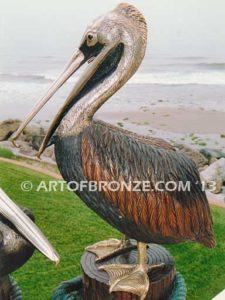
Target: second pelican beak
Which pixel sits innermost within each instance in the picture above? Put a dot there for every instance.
(26, 227)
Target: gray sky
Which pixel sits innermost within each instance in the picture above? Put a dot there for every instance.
(54, 27)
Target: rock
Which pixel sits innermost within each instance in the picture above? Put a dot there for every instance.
(49, 152)
(214, 176)
(212, 154)
(30, 140)
(197, 157)
(26, 149)
(216, 199)
(34, 136)
(32, 131)
(8, 127)
(36, 141)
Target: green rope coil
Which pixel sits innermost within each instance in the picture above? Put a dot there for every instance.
(179, 290)
(70, 290)
(15, 292)
(73, 289)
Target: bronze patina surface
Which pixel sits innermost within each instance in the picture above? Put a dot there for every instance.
(90, 150)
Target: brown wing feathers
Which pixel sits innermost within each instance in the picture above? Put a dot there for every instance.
(108, 155)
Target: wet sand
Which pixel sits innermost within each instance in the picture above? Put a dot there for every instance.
(198, 128)
(177, 120)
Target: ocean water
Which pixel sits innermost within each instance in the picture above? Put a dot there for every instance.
(194, 82)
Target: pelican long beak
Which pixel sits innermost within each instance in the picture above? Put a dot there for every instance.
(78, 60)
(26, 227)
(75, 62)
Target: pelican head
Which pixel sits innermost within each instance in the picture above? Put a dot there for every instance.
(15, 250)
(19, 236)
(113, 46)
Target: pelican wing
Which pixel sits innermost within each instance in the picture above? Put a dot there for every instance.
(113, 155)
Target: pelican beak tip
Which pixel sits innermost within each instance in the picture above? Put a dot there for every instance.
(14, 143)
(38, 156)
(56, 259)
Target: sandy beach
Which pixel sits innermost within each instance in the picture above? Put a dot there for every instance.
(196, 127)
(182, 104)
(177, 120)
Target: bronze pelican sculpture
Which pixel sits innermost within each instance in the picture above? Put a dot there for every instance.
(15, 251)
(18, 237)
(90, 150)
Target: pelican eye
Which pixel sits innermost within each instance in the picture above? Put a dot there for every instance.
(90, 36)
(92, 39)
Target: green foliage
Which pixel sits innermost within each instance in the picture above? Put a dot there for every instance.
(6, 153)
(201, 267)
(71, 226)
(120, 124)
(197, 140)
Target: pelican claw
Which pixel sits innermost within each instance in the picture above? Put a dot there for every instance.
(110, 248)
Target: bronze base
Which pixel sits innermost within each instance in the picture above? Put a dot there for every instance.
(161, 279)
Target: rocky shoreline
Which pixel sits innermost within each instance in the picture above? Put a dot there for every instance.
(29, 141)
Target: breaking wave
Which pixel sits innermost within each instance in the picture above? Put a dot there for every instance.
(166, 78)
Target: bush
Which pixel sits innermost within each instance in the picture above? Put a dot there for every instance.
(6, 153)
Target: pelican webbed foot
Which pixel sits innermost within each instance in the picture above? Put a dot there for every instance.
(131, 278)
(109, 248)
